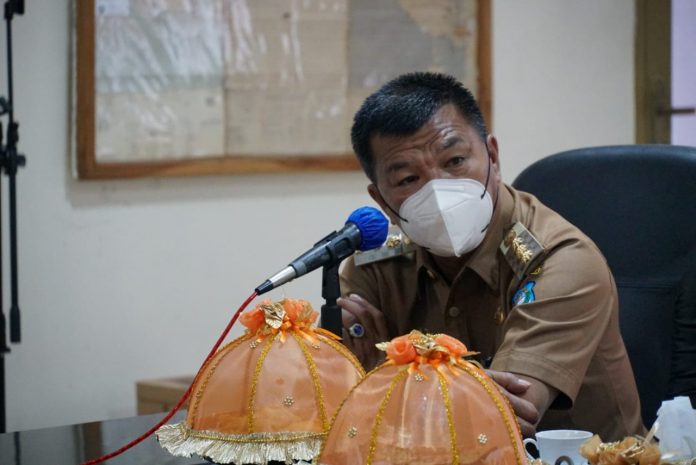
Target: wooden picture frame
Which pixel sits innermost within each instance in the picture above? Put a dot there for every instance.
(89, 166)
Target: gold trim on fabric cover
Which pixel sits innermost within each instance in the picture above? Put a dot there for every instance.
(444, 391)
(489, 386)
(260, 448)
(380, 415)
(198, 391)
(316, 382)
(255, 381)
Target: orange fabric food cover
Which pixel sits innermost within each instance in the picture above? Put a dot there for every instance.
(269, 395)
(424, 405)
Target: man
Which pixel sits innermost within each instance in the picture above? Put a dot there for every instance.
(491, 266)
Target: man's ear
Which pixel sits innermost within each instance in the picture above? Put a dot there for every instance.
(493, 154)
(377, 197)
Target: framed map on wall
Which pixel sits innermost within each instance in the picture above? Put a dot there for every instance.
(187, 87)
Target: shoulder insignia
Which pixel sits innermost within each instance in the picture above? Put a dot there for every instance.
(396, 245)
(522, 250)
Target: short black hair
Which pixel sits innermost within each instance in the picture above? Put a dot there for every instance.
(403, 105)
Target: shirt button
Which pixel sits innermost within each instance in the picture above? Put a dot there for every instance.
(499, 316)
(453, 311)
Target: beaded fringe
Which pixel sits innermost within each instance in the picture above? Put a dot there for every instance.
(257, 448)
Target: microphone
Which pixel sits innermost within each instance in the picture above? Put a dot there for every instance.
(365, 229)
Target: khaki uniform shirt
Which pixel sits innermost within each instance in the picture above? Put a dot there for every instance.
(562, 329)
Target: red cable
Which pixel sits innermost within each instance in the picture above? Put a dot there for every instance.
(186, 394)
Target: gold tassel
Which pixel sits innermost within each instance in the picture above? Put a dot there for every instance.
(257, 448)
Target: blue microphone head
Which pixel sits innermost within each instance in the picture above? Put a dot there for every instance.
(373, 227)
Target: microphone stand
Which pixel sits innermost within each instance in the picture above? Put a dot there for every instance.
(10, 160)
(330, 291)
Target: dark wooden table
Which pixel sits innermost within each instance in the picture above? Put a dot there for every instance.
(74, 444)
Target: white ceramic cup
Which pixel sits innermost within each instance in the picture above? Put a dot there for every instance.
(554, 444)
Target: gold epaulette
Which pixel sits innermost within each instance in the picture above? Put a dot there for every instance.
(396, 245)
(522, 250)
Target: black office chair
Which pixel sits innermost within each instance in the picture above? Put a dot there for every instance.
(638, 204)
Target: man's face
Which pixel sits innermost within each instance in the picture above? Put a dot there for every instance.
(446, 147)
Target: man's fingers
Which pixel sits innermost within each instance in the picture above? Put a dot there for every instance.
(527, 414)
(377, 317)
(348, 318)
(509, 382)
(354, 347)
(528, 429)
(355, 309)
(358, 310)
(374, 359)
(524, 409)
(347, 340)
(514, 388)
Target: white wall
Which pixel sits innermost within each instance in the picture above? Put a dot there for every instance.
(126, 280)
(563, 77)
(683, 70)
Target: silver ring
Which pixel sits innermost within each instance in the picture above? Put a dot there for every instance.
(356, 330)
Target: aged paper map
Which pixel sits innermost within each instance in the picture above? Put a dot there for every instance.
(187, 79)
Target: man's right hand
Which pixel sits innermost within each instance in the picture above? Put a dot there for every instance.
(518, 391)
(358, 310)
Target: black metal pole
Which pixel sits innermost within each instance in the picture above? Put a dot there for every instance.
(10, 161)
(330, 291)
(15, 321)
(4, 348)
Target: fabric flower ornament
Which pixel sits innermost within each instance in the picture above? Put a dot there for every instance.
(415, 349)
(271, 318)
(293, 308)
(455, 347)
(253, 320)
(400, 350)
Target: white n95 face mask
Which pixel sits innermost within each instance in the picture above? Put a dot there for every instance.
(449, 217)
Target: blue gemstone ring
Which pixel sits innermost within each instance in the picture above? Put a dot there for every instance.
(356, 330)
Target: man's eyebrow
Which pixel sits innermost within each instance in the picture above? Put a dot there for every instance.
(396, 166)
(450, 142)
